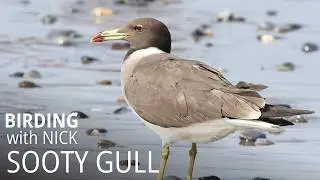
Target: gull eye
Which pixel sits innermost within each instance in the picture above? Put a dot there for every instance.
(138, 27)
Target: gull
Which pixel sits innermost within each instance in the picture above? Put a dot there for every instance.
(182, 99)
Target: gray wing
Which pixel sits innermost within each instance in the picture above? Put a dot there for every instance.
(171, 92)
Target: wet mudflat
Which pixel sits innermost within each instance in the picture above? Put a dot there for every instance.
(68, 80)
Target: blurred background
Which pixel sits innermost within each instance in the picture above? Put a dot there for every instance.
(48, 65)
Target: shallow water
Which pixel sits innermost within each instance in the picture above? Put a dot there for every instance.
(295, 154)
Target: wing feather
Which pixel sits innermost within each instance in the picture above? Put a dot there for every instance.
(172, 92)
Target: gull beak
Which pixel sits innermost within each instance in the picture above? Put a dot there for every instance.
(114, 34)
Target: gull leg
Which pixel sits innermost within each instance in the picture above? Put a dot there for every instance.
(192, 155)
(164, 158)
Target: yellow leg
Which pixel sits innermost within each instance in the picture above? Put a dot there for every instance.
(192, 155)
(164, 158)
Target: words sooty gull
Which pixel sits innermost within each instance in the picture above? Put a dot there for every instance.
(182, 99)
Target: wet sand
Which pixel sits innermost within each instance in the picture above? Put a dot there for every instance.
(73, 86)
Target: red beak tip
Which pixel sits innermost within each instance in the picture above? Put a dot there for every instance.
(93, 40)
(96, 38)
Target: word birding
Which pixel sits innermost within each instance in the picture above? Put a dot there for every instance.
(39, 120)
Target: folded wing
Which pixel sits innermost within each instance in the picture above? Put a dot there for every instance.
(172, 92)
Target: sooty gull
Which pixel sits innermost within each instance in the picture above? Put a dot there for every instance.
(185, 100)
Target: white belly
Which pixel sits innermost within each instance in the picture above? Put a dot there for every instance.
(197, 133)
(209, 131)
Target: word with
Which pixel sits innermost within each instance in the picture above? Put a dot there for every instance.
(50, 137)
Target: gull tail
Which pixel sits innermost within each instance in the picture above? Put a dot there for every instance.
(255, 124)
(271, 118)
(276, 121)
(273, 111)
